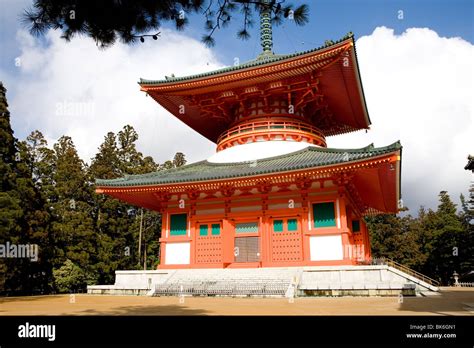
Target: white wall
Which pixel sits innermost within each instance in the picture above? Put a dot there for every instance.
(325, 248)
(178, 253)
(257, 150)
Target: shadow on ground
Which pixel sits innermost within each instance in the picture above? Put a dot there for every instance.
(7, 299)
(450, 301)
(143, 310)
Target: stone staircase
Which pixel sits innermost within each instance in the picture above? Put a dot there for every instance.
(228, 282)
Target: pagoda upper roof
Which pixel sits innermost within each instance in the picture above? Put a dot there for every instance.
(252, 63)
(267, 59)
(334, 68)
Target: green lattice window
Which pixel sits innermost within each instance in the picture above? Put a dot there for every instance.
(324, 215)
(178, 223)
(246, 227)
(215, 229)
(203, 229)
(292, 225)
(277, 225)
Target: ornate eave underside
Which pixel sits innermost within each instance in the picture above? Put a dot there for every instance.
(371, 175)
(323, 84)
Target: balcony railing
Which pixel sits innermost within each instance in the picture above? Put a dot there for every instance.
(271, 128)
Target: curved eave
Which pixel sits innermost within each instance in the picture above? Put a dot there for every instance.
(248, 75)
(178, 81)
(361, 89)
(152, 180)
(331, 168)
(381, 197)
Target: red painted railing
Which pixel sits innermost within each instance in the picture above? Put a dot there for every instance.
(271, 128)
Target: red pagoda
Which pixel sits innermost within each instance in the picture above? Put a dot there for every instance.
(273, 194)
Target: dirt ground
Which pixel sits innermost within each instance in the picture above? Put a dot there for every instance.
(451, 301)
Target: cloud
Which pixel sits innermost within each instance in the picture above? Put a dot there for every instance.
(418, 88)
(77, 90)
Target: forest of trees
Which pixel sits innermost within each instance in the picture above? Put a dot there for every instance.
(47, 198)
(436, 242)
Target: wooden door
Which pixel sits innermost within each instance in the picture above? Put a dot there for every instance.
(247, 249)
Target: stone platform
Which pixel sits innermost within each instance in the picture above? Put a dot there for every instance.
(369, 280)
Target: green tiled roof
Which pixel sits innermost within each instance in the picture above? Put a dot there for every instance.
(310, 157)
(256, 62)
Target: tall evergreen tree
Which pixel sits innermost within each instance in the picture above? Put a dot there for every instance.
(10, 209)
(23, 220)
(167, 165)
(72, 205)
(392, 237)
(117, 223)
(131, 160)
(11, 212)
(179, 159)
(112, 218)
(446, 230)
(466, 252)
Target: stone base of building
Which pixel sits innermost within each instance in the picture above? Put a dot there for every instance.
(357, 292)
(115, 290)
(367, 280)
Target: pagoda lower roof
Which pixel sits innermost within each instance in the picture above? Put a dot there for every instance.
(308, 158)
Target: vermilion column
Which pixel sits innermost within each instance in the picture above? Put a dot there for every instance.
(345, 232)
(164, 227)
(304, 226)
(192, 230)
(227, 237)
(265, 251)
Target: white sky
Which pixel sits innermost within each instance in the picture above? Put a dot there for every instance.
(418, 86)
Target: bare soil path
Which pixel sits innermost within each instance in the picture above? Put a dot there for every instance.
(451, 301)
